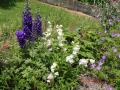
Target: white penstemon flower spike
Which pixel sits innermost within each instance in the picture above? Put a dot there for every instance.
(76, 50)
(53, 67)
(59, 30)
(47, 38)
(71, 57)
(48, 42)
(49, 30)
(53, 74)
(60, 35)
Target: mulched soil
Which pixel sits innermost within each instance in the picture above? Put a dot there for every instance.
(5, 45)
(92, 83)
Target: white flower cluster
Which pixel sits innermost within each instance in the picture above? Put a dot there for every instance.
(73, 55)
(60, 35)
(86, 61)
(49, 30)
(52, 68)
(48, 35)
(76, 50)
(53, 73)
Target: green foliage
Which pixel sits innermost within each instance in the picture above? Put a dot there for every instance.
(92, 1)
(31, 72)
(109, 15)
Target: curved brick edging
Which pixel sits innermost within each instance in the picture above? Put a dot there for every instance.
(74, 5)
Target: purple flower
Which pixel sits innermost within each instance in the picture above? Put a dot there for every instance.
(93, 65)
(21, 38)
(27, 18)
(115, 34)
(100, 63)
(103, 57)
(113, 17)
(118, 35)
(37, 26)
(118, 55)
(98, 67)
(118, 19)
(110, 88)
(27, 32)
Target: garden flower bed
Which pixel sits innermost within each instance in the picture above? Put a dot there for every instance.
(43, 53)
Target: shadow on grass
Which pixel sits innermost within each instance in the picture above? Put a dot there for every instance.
(7, 4)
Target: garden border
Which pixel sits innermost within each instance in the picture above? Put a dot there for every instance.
(91, 10)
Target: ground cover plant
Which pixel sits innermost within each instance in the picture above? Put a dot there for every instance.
(47, 55)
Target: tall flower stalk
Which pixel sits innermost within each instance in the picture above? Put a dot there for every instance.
(27, 16)
(37, 26)
(47, 38)
(27, 21)
(60, 35)
(53, 73)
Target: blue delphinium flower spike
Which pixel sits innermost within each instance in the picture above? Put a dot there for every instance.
(27, 22)
(27, 17)
(37, 26)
